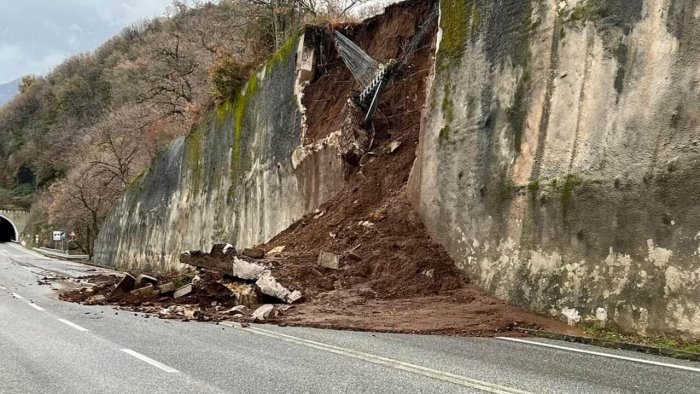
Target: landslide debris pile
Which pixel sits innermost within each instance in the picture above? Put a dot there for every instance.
(220, 285)
(363, 260)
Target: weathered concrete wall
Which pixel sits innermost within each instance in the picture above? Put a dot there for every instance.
(560, 161)
(241, 177)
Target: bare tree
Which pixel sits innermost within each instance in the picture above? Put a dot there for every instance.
(81, 202)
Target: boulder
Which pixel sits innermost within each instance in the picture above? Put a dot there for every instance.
(127, 283)
(247, 271)
(143, 280)
(206, 261)
(268, 285)
(167, 288)
(294, 297)
(393, 146)
(254, 253)
(222, 250)
(329, 260)
(277, 250)
(183, 291)
(96, 299)
(263, 312)
(242, 309)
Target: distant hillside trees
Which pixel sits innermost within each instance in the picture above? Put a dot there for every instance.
(73, 140)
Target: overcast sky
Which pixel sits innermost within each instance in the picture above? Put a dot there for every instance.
(36, 35)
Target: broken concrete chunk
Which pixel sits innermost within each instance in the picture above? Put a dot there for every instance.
(276, 251)
(167, 288)
(229, 249)
(143, 291)
(367, 224)
(221, 250)
(393, 146)
(127, 283)
(173, 311)
(143, 280)
(96, 299)
(242, 309)
(329, 260)
(183, 291)
(204, 260)
(268, 285)
(254, 253)
(263, 312)
(247, 271)
(294, 297)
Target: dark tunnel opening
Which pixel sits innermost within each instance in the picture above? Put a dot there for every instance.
(7, 231)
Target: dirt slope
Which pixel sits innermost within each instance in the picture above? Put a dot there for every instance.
(404, 281)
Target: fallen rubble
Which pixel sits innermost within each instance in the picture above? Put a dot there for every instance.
(240, 268)
(220, 285)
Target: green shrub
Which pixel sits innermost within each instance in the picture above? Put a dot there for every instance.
(227, 77)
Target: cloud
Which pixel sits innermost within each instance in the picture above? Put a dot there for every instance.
(36, 35)
(15, 61)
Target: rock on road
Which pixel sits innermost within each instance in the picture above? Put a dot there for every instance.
(47, 345)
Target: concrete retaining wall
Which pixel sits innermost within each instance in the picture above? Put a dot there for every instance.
(241, 177)
(560, 161)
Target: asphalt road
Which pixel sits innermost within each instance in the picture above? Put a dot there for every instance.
(50, 346)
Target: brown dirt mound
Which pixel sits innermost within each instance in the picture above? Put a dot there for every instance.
(405, 281)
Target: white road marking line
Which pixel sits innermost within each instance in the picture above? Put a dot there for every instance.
(31, 303)
(636, 360)
(151, 361)
(391, 363)
(27, 251)
(69, 323)
(3, 288)
(2, 252)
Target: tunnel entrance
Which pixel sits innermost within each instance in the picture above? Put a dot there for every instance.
(7, 231)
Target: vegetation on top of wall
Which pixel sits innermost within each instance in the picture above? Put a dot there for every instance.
(282, 54)
(227, 77)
